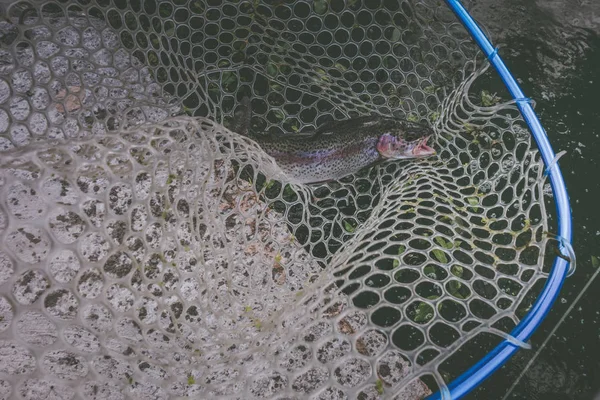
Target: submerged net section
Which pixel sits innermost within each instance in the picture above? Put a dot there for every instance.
(147, 255)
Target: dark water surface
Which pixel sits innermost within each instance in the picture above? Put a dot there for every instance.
(553, 47)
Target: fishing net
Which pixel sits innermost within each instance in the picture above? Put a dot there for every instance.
(147, 251)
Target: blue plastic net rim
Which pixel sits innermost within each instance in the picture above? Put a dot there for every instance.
(502, 352)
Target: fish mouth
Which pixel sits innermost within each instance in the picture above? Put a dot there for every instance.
(422, 150)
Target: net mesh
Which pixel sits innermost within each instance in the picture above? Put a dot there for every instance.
(149, 252)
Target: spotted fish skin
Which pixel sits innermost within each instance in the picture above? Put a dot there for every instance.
(336, 149)
(330, 153)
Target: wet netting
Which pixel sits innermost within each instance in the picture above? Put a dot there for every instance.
(149, 252)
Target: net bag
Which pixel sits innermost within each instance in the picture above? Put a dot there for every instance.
(147, 251)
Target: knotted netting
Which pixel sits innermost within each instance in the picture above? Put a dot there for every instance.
(147, 251)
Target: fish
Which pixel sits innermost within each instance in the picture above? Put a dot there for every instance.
(340, 148)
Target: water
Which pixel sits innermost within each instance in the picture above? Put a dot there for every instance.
(553, 47)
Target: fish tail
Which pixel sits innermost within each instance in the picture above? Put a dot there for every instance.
(242, 117)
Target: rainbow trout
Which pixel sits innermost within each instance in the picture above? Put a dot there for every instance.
(340, 148)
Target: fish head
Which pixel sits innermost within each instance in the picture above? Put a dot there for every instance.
(408, 142)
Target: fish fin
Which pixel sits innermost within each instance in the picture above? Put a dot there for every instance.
(331, 126)
(295, 135)
(242, 117)
(303, 134)
(325, 129)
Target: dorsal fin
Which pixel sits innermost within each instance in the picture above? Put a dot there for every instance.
(325, 129)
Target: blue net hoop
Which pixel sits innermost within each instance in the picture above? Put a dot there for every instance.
(474, 376)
